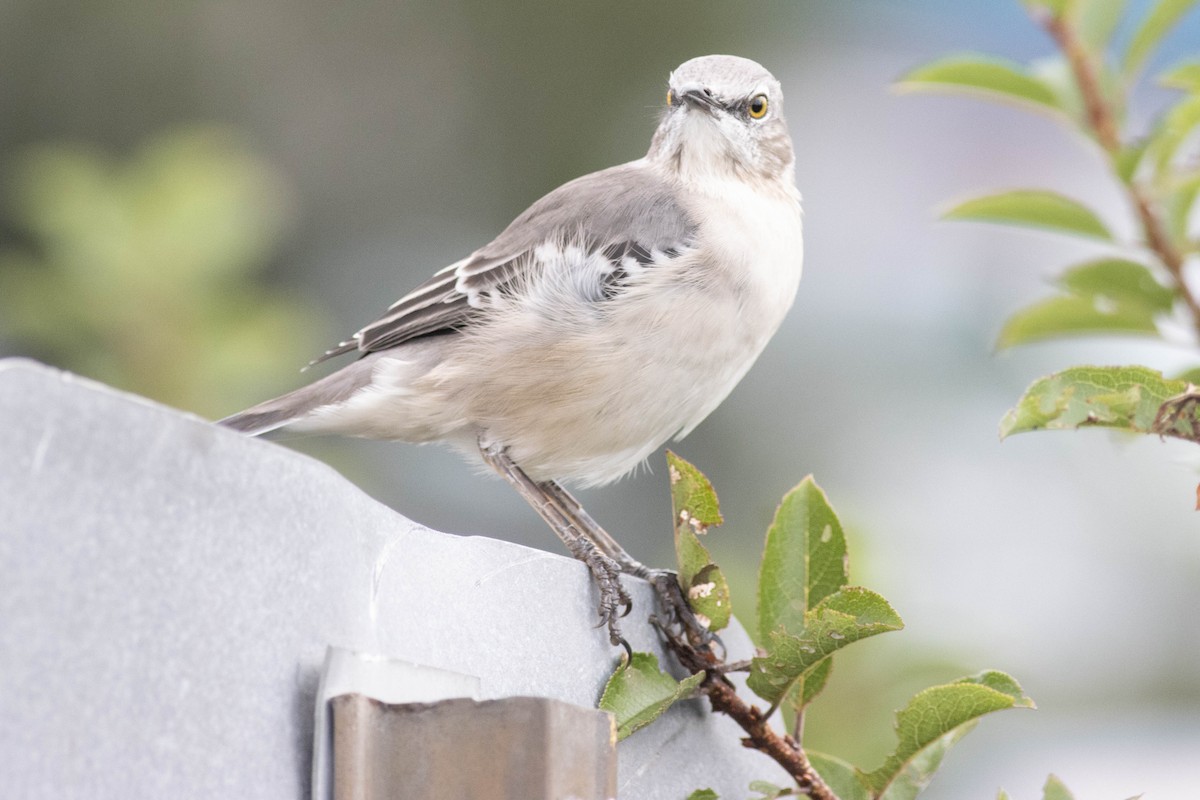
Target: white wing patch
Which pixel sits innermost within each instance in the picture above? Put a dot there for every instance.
(573, 271)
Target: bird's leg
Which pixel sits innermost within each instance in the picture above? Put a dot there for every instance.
(665, 582)
(575, 512)
(614, 600)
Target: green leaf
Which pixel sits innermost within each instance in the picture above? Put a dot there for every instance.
(1055, 789)
(97, 232)
(1073, 316)
(842, 618)
(709, 598)
(1179, 204)
(1185, 76)
(1002, 682)
(1096, 20)
(805, 690)
(704, 794)
(808, 687)
(1156, 25)
(769, 791)
(932, 722)
(639, 693)
(1173, 130)
(1129, 158)
(1127, 398)
(839, 775)
(1034, 208)
(1189, 375)
(1108, 295)
(692, 556)
(693, 493)
(695, 506)
(1054, 7)
(1119, 280)
(804, 559)
(982, 75)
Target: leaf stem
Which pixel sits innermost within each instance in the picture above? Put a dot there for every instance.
(1102, 122)
(784, 750)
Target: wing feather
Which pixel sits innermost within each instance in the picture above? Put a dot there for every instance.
(629, 212)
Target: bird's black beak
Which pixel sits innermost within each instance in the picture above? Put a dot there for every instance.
(701, 99)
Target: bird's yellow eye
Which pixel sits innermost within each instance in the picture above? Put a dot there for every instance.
(670, 97)
(757, 107)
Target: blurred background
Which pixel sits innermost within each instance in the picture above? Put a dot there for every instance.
(200, 196)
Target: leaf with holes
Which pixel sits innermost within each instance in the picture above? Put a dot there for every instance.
(1126, 398)
(695, 507)
(842, 618)
(708, 597)
(692, 492)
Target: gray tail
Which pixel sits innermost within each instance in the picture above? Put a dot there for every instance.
(260, 419)
(296, 405)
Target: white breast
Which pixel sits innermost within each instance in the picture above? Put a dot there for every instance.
(754, 237)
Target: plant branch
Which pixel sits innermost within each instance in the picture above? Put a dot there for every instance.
(784, 750)
(726, 667)
(1100, 118)
(1102, 122)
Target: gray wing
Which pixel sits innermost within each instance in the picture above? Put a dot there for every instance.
(626, 212)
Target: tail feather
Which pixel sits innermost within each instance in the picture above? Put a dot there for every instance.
(253, 422)
(296, 405)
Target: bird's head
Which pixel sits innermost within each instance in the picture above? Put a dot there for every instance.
(724, 115)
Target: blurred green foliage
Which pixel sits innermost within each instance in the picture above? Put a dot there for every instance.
(145, 273)
(1141, 288)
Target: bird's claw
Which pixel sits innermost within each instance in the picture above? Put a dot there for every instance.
(678, 615)
(615, 602)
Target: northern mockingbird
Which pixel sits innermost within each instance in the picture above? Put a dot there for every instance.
(615, 313)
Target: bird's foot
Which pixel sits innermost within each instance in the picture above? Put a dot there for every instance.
(614, 600)
(678, 617)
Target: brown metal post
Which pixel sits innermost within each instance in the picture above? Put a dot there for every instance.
(516, 748)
